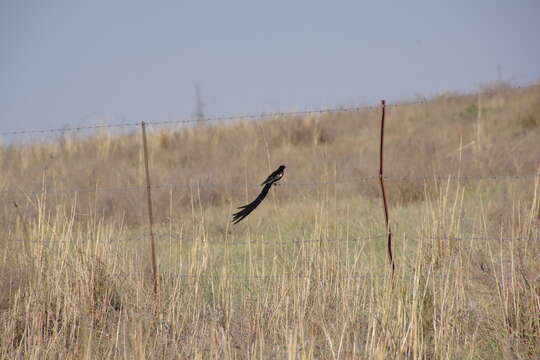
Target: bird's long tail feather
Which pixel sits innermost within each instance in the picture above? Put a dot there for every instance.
(247, 209)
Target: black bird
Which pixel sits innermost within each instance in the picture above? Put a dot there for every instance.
(275, 176)
(247, 209)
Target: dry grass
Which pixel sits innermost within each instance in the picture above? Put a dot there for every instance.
(305, 276)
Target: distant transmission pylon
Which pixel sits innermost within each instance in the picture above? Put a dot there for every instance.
(199, 104)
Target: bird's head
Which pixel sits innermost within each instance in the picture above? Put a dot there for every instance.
(282, 167)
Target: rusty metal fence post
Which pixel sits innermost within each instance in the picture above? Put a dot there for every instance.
(381, 179)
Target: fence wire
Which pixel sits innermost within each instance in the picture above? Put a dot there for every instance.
(225, 118)
(195, 184)
(226, 243)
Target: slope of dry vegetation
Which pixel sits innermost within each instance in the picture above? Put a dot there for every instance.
(305, 276)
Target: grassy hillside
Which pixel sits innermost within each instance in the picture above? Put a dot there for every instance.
(304, 276)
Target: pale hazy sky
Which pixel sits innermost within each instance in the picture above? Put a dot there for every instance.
(81, 62)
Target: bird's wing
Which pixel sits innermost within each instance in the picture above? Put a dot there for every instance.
(275, 176)
(268, 179)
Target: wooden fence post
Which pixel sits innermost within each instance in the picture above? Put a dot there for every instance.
(150, 213)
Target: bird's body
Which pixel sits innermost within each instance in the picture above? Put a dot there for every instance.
(275, 176)
(247, 209)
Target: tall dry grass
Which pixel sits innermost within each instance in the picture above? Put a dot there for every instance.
(306, 275)
(490, 133)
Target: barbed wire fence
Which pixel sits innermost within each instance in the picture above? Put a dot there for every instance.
(254, 117)
(259, 116)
